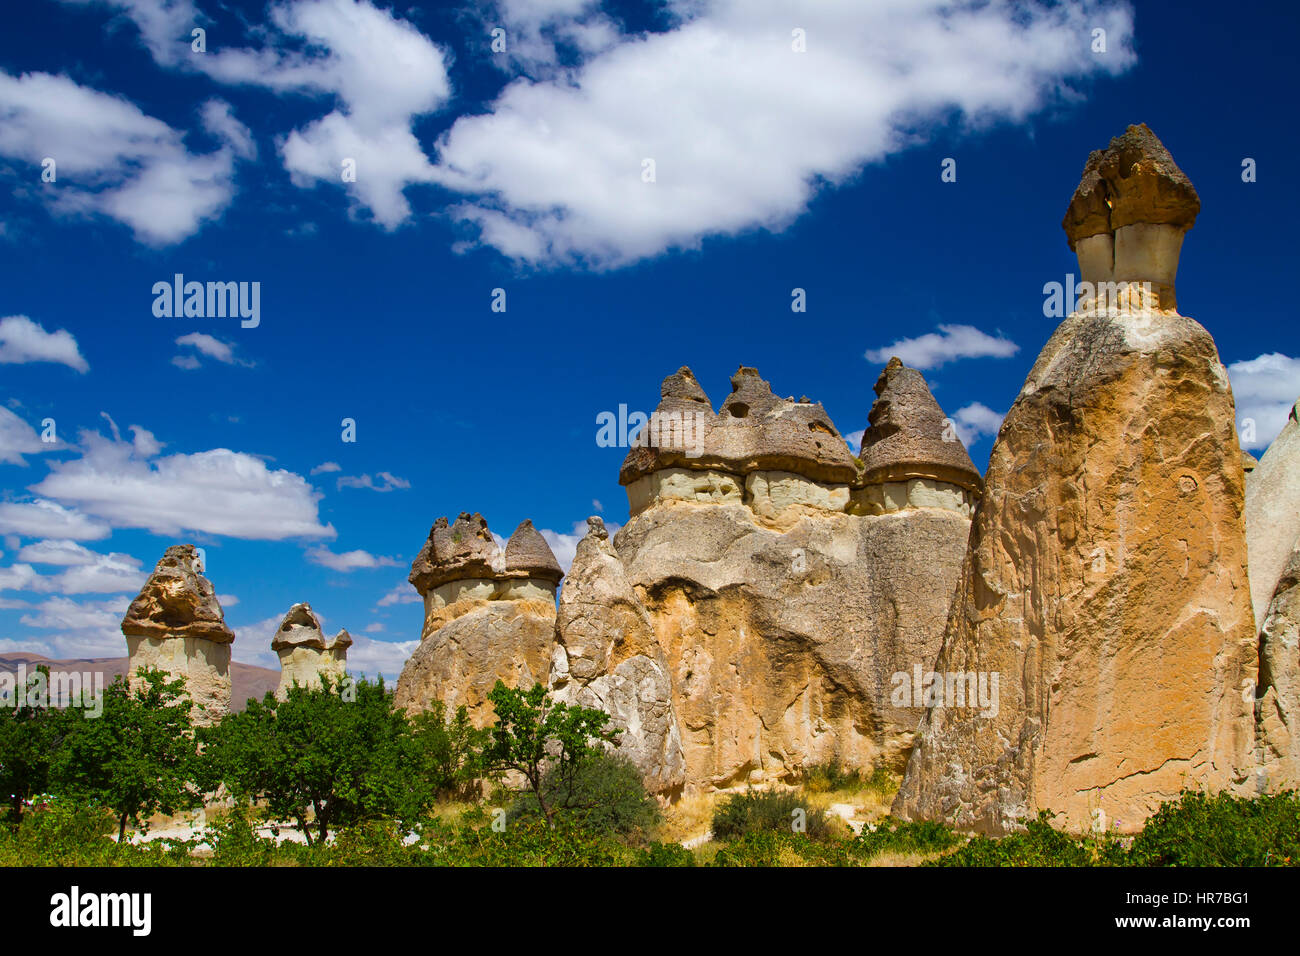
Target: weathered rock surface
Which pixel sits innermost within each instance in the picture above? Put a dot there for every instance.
(176, 624)
(306, 654)
(1105, 579)
(1278, 727)
(607, 656)
(488, 616)
(778, 606)
(1273, 513)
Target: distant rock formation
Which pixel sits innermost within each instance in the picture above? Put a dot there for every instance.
(1105, 580)
(176, 625)
(306, 654)
(488, 615)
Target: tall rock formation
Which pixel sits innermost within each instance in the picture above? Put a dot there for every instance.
(1105, 581)
(1273, 537)
(765, 593)
(306, 654)
(1273, 513)
(176, 624)
(488, 615)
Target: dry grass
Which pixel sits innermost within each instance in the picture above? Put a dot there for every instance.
(688, 818)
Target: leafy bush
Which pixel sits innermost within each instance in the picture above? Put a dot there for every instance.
(774, 848)
(830, 776)
(603, 794)
(665, 854)
(66, 833)
(445, 750)
(901, 836)
(773, 811)
(1222, 830)
(1040, 844)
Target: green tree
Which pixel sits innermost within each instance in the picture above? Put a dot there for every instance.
(545, 741)
(138, 757)
(29, 737)
(321, 758)
(446, 750)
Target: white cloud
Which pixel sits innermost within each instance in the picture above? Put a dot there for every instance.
(227, 600)
(371, 657)
(402, 594)
(374, 627)
(743, 130)
(379, 70)
(48, 519)
(326, 466)
(114, 160)
(854, 440)
(17, 438)
(974, 421)
(204, 344)
(220, 492)
(349, 560)
(389, 482)
(85, 629)
(1265, 389)
(22, 340)
(950, 343)
(58, 551)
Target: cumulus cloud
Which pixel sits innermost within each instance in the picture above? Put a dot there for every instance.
(17, 439)
(82, 629)
(387, 482)
(114, 160)
(974, 421)
(208, 345)
(220, 492)
(87, 572)
(949, 344)
(402, 594)
(372, 658)
(349, 560)
(22, 340)
(1265, 389)
(42, 518)
(743, 130)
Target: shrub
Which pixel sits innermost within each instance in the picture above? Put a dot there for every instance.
(774, 848)
(1040, 844)
(1222, 830)
(445, 750)
(665, 854)
(901, 836)
(603, 794)
(775, 811)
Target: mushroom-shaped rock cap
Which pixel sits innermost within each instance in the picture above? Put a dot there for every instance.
(1133, 180)
(177, 601)
(909, 436)
(463, 550)
(301, 628)
(528, 555)
(753, 431)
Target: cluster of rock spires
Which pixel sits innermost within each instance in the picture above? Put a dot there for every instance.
(775, 601)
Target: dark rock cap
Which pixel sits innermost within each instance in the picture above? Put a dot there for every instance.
(1133, 180)
(753, 431)
(463, 550)
(301, 628)
(528, 555)
(177, 601)
(909, 436)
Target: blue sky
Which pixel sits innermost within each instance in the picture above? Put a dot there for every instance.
(524, 170)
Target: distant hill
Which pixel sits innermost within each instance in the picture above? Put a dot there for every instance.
(247, 680)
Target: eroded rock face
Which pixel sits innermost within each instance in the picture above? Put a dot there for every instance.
(1104, 582)
(608, 656)
(1273, 513)
(176, 624)
(488, 615)
(757, 588)
(306, 654)
(1278, 727)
